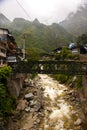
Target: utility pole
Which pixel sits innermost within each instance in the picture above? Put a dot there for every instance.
(24, 42)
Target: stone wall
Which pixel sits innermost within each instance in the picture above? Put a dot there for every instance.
(15, 84)
(84, 84)
(83, 58)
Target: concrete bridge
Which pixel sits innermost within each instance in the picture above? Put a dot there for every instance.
(52, 67)
(21, 69)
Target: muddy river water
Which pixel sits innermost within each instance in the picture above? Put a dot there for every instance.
(52, 107)
(62, 109)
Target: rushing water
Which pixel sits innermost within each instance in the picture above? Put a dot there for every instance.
(59, 112)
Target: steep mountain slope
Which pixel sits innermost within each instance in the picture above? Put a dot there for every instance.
(76, 23)
(44, 37)
(38, 35)
(19, 24)
(3, 20)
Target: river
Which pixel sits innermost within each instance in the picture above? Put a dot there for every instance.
(62, 108)
(53, 106)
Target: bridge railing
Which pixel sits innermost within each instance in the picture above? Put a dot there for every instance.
(52, 67)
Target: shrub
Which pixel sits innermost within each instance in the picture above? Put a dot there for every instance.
(78, 83)
(6, 101)
(61, 78)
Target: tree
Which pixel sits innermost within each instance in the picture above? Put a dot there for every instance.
(82, 40)
(6, 100)
(34, 54)
(65, 54)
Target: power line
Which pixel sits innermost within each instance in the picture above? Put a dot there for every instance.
(23, 9)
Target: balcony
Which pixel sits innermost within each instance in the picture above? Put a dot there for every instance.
(2, 54)
(3, 44)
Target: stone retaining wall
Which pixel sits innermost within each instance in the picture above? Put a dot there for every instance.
(84, 78)
(15, 84)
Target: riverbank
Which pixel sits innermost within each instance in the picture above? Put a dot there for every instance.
(44, 104)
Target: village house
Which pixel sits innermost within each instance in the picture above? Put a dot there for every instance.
(7, 45)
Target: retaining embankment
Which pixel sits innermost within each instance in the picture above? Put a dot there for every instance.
(84, 84)
(15, 84)
(83, 91)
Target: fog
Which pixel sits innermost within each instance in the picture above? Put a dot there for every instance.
(46, 11)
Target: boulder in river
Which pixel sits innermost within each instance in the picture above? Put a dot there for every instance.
(78, 121)
(29, 96)
(21, 105)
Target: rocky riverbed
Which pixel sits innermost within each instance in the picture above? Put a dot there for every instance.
(44, 104)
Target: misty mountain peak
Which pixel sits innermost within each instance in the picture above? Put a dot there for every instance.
(76, 23)
(36, 21)
(3, 19)
(20, 20)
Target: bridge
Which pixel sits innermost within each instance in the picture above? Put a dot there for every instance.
(51, 67)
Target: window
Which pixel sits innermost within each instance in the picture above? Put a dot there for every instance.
(11, 59)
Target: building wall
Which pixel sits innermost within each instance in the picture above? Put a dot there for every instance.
(2, 53)
(7, 45)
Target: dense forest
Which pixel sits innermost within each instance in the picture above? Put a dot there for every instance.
(45, 38)
(37, 35)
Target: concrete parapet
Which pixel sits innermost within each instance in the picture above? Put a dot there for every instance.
(84, 84)
(15, 84)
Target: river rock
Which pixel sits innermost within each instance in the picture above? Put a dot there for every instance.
(41, 114)
(38, 120)
(29, 96)
(46, 126)
(26, 83)
(78, 121)
(78, 128)
(37, 107)
(42, 89)
(40, 129)
(27, 109)
(31, 83)
(23, 129)
(32, 103)
(32, 110)
(21, 105)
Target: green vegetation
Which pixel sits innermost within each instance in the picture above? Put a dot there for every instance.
(67, 79)
(6, 101)
(82, 40)
(78, 82)
(62, 78)
(34, 53)
(37, 35)
(45, 38)
(65, 54)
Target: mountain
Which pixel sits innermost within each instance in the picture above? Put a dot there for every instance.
(76, 23)
(19, 24)
(37, 35)
(36, 22)
(3, 20)
(44, 37)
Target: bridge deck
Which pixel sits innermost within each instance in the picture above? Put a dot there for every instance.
(52, 67)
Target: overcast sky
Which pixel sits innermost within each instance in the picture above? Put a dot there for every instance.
(46, 11)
